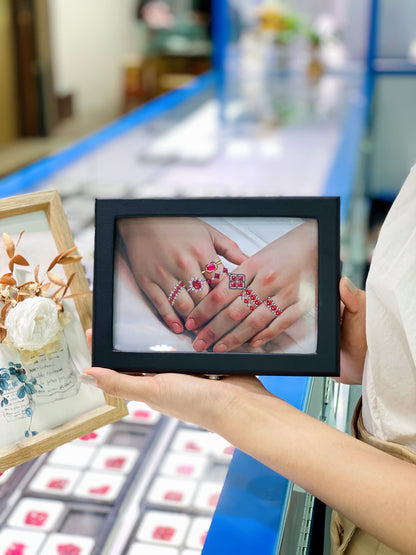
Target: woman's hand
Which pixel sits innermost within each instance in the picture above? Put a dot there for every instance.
(204, 402)
(353, 335)
(279, 278)
(168, 257)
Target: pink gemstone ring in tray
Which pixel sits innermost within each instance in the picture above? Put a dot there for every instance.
(36, 514)
(140, 413)
(15, 541)
(103, 486)
(68, 544)
(162, 527)
(115, 459)
(169, 492)
(187, 465)
(55, 480)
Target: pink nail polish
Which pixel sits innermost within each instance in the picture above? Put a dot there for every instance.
(257, 343)
(200, 345)
(190, 324)
(177, 328)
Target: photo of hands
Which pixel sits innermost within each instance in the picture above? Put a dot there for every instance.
(219, 284)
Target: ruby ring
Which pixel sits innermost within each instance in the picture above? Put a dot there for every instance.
(196, 284)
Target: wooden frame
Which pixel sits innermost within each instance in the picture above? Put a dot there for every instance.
(164, 351)
(92, 408)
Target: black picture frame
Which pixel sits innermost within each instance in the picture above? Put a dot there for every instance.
(324, 361)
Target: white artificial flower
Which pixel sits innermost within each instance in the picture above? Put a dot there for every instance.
(32, 324)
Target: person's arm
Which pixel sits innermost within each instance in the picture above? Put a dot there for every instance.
(373, 489)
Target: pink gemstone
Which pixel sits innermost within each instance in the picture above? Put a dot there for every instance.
(252, 307)
(211, 267)
(234, 278)
(268, 302)
(16, 549)
(68, 549)
(240, 284)
(209, 281)
(253, 297)
(185, 469)
(278, 311)
(101, 490)
(117, 462)
(58, 483)
(248, 291)
(233, 284)
(196, 284)
(258, 302)
(173, 496)
(165, 533)
(246, 300)
(36, 518)
(91, 435)
(192, 446)
(141, 414)
(217, 276)
(273, 307)
(226, 270)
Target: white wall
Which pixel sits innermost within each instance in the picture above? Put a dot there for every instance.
(90, 42)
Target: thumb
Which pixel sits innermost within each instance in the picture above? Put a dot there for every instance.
(117, 384)
(352, 297)
(227, 247)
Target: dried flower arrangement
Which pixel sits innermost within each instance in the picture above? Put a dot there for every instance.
(14, 296)
(31, 320)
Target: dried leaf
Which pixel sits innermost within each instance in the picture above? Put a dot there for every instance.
(4, 311)
(59, 257)
(58, 294)
(36, 273)
(70, 259)
(3, 334)
(9, 244)
(68, 283)
(18, 239)
(56, 280)
(20, 260)
(76, 295)
(7, 279)
(60, 306)
(45, 287)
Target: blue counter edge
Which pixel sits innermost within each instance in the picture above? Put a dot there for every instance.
(28, 177)
(249, 517)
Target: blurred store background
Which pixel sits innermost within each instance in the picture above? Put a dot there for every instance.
(158, 98)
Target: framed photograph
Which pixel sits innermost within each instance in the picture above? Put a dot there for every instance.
(217, 286)
(45, 308)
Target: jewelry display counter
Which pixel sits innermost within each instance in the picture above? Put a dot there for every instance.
(149, 484)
